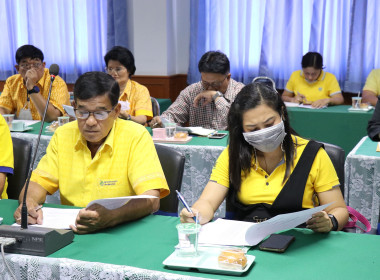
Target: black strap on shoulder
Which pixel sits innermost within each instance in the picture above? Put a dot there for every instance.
(291, 196)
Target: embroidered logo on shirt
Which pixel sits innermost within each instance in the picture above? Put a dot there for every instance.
(104, 183)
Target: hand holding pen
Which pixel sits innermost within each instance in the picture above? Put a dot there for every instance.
(183, 201)
(34, 215)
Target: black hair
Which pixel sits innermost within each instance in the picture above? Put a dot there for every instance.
(214, 62)
(92, 84)
(124, 56)
(28, 51)
(241, 153)
(312, 59)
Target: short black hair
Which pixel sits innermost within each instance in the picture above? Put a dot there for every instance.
(214, 62)
(92, 84)
(124, 56)
(312, 59)
(28, 51)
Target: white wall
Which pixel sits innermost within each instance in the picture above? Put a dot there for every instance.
(159, 36)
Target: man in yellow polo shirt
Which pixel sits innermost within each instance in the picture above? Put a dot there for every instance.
(371, 90)
(6, 156)
(98, 156)
(25, 94)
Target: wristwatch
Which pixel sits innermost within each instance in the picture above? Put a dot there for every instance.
(35, 89)
(128, 117)
(216, 95)
(334, 222)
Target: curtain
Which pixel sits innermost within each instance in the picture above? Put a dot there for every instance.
(70, 33)
(269, 37)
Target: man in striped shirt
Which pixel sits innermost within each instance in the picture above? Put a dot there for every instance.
(207, 102)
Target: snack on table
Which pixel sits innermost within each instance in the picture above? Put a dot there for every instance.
(232, 259)
(52, 127)
(181, 135)
(363, 105)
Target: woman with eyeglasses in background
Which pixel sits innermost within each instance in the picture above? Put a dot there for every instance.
(312, 85)
(135, 98)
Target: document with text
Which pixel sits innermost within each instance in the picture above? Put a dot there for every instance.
(238, 233)
(62, 218)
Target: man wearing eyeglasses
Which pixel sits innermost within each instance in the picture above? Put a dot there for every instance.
(25, 94)
(207, 102)
(98, 156)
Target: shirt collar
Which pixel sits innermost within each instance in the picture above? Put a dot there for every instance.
(128, 88)
(109, 142)
(320, 78)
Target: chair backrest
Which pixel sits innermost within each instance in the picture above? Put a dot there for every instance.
(265, 80)
(22, 154)
(173, 164)
(337, 156)
(155, 106)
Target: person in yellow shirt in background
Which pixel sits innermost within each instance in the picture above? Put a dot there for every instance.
(25, 94)
(371, 90)
(98, 156)
(265, 171)
(312, 85)
(6, 156)
(135, 99)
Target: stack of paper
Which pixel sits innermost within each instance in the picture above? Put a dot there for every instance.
(197, 130)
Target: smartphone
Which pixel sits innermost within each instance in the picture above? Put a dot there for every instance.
(276, 243)
(69, 110)
(217, 135)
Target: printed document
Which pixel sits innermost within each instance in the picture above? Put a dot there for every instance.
(62, 218)
(238, 233)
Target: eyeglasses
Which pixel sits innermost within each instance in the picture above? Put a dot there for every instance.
(117, 70)
(215, 85)
(99, 115)
(27, 66)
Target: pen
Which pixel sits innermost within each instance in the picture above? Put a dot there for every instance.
(182, 199)
(36, 209)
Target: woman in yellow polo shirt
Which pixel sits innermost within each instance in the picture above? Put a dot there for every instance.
(312, 85)
(134, 97)
(266, 171)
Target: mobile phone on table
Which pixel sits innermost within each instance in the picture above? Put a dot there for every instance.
(217, 135)
(276, 243)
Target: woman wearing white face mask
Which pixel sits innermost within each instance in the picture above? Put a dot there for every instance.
(266, 171)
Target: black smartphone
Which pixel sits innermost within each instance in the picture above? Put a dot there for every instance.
(276, 243)
(217, 135)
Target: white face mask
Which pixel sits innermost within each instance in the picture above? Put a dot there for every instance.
(267, 139)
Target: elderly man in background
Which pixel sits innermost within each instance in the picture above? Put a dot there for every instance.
(371, 89)
(25, 94)
(205, 103)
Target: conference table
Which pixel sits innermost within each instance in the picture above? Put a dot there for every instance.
(362, 177)
(136, 250)
(200, 154)
(335, 124)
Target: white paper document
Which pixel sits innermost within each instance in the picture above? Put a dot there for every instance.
(238, 233)
(62, 218)
(197, 130)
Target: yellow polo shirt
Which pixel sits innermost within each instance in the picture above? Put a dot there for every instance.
(126, 164)
(139, 99)
(260, 187)
(6, 154)
(324, 87)
(14, 95)
(373, 82)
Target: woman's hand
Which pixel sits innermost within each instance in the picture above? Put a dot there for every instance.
(320, 222)
(187, 217)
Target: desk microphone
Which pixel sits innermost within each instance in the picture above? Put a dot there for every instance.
(37, 241)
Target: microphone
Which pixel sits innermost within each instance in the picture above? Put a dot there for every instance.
(37, 241)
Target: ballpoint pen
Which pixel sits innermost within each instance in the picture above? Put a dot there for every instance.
(182, 199)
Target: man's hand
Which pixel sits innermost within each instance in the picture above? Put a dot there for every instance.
(35, 215)
(156, 122)
(31, 78)
(206, 96)
(92, 219)
(320, 222)
(321, 103)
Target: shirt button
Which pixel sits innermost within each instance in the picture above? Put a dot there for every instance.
(266, 176)
(267, 183)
